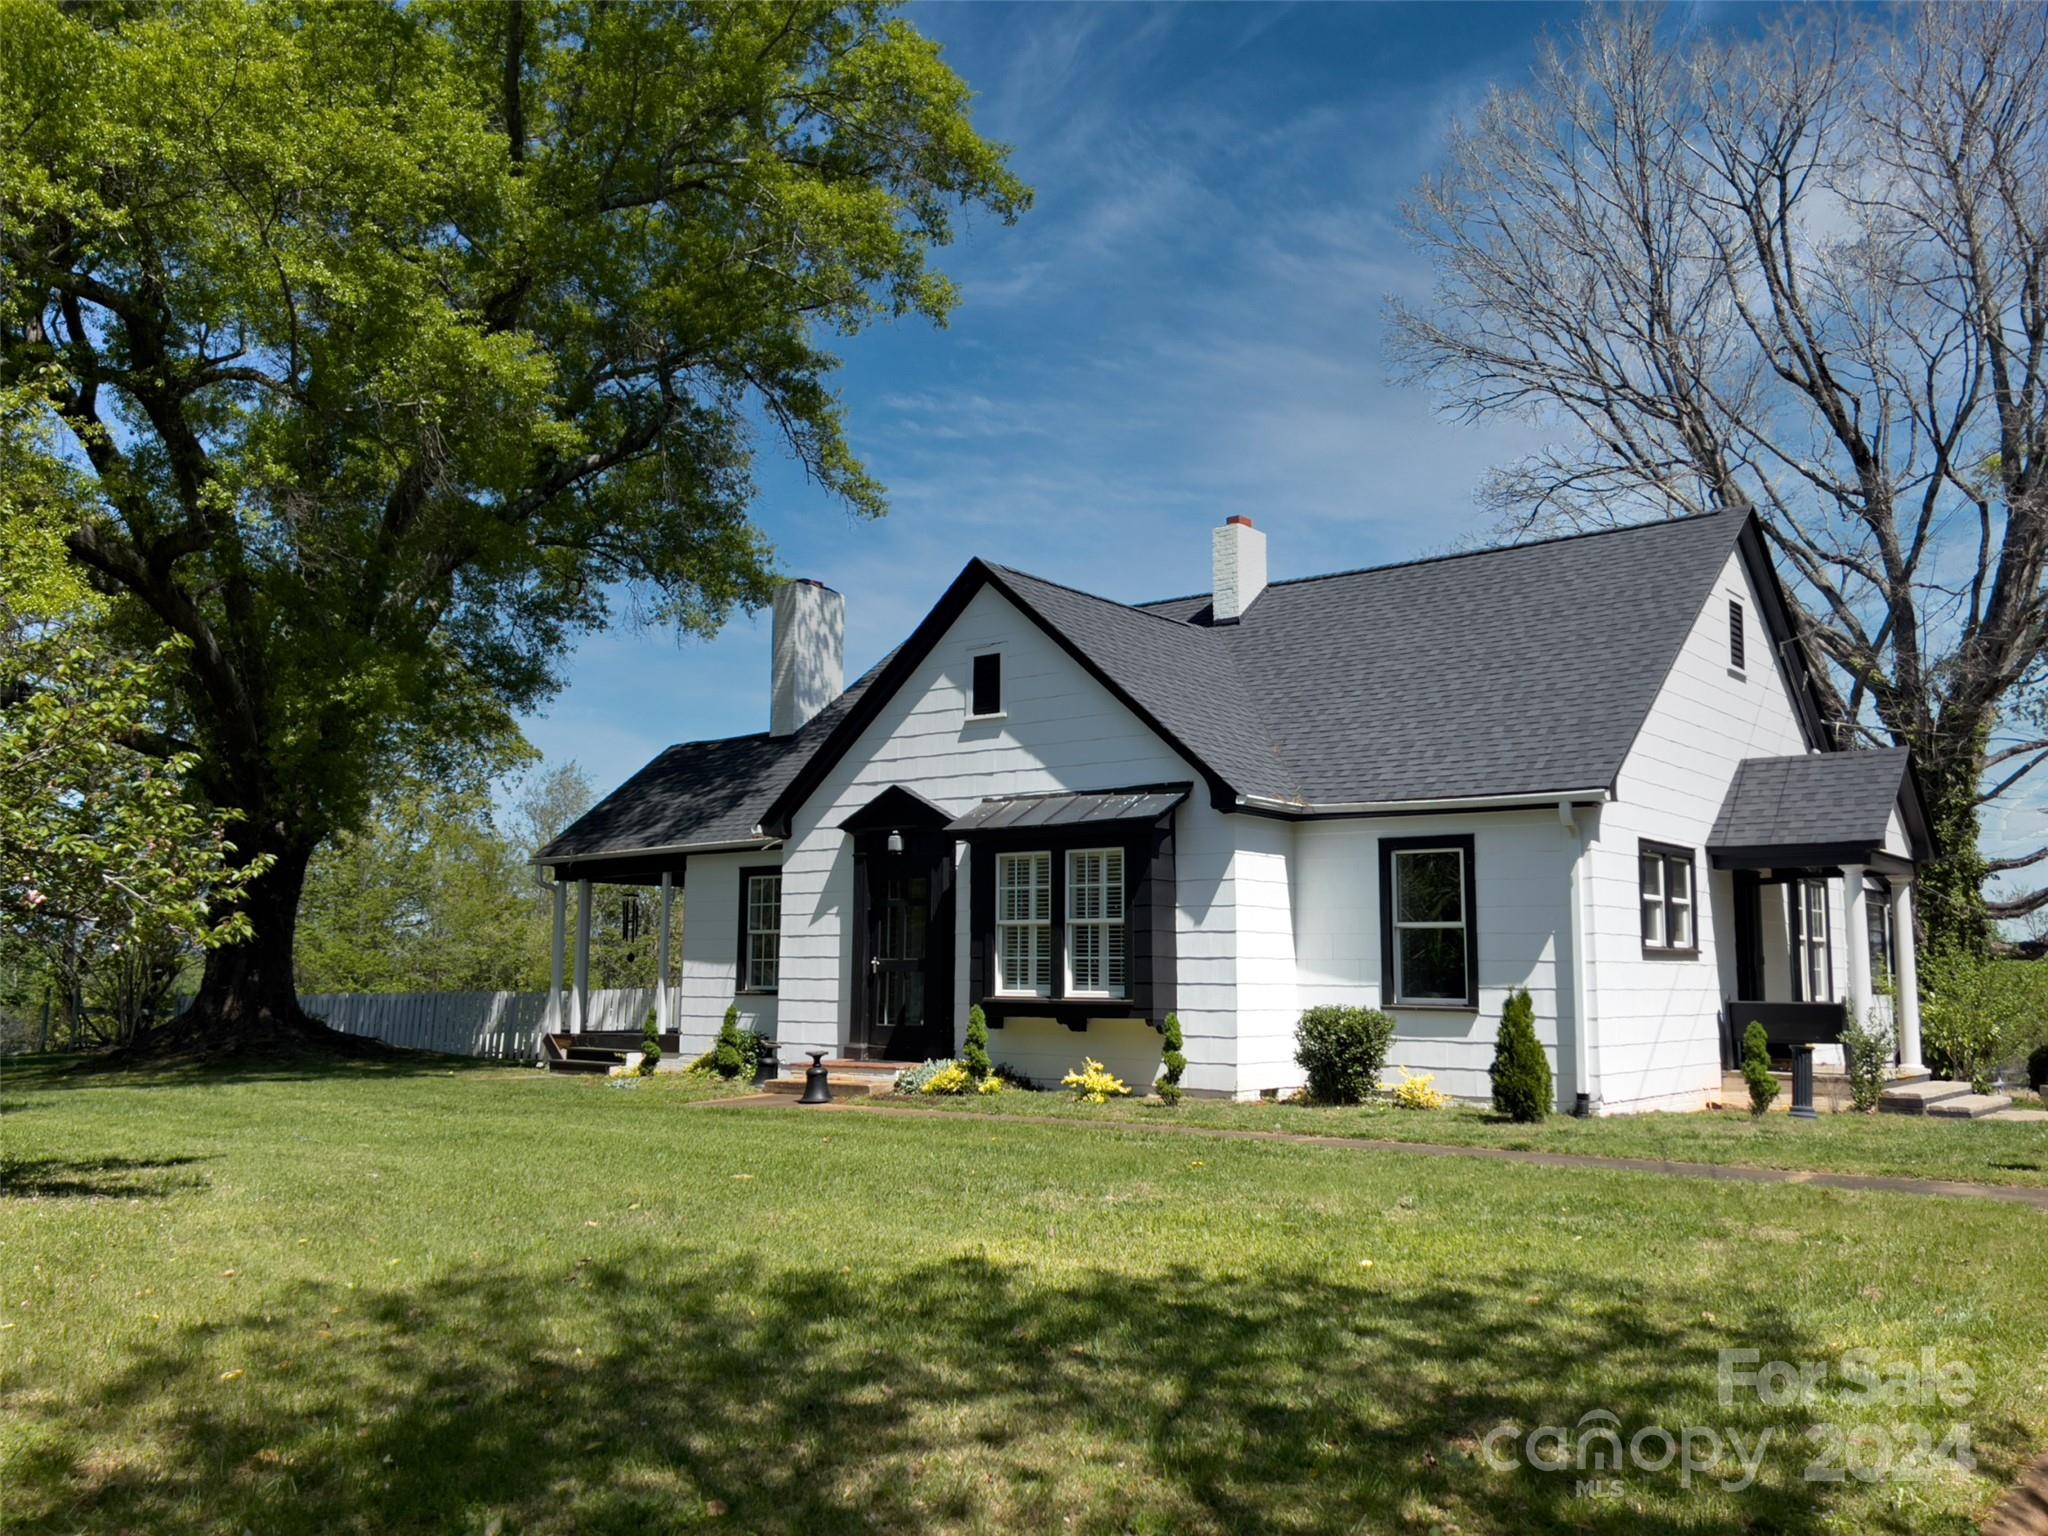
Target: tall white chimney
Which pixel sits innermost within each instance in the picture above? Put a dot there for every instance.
(810, 652)
(1239, 555)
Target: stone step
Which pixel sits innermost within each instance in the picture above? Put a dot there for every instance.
(842, 1087)
(1970, 1106)
(1918, 1098)
(2019, 1116)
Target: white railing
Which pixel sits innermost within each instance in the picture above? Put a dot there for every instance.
(497, 1024)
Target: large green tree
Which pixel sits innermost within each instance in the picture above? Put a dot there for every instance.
(393, 339)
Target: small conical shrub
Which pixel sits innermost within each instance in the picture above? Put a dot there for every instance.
(1172, 1060)
(975, 1057)
(1521, 1072)
(730, 1057)
(1756, 1067)
(650, 1047)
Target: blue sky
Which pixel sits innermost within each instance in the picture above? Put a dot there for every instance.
(1186, 326)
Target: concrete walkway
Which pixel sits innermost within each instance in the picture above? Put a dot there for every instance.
(2008, 1194)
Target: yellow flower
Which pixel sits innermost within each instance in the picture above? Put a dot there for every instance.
(1094, 1083)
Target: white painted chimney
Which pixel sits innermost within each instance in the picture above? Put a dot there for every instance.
(1239, 552)
(810, 654)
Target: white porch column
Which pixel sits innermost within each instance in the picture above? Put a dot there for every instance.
(554, 1020)
(1858, 923)
(661, 997)
(581, 1015)
(1906, 1012)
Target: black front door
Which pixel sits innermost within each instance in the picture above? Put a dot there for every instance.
(902, 982)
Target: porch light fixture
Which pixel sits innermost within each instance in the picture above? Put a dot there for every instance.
(895, 842)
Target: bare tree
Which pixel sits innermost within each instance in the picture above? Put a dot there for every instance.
(1807, 275)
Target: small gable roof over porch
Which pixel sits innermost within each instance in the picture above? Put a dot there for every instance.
(1820, 808)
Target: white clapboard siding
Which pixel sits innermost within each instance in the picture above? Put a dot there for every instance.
(494, 1024)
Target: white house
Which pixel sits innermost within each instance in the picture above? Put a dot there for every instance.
(1595, 767)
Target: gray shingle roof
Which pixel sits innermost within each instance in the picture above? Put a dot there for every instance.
(1842, 799)
(1519, 671)
(700, 793)
(1509, 671)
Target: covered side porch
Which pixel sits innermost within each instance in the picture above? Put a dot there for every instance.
(575, 1035)
(1821, 851)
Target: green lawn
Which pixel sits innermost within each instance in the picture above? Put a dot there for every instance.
(1978, 1151)
(404, 1299)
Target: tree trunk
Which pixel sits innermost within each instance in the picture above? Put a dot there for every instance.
(1949, 891)
(248, 997)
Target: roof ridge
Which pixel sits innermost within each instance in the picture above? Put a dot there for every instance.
(1456, 554)
(1061, 586)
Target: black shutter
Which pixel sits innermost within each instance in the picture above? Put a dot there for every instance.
(1735, 652)
(1149, 905)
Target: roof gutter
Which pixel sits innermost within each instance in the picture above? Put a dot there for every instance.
(1542, 799)
(744, 845)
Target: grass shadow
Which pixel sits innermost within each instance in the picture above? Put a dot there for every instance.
(100, 1178)
(661, 1388)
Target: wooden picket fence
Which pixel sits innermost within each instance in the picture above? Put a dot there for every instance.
(505, 1025)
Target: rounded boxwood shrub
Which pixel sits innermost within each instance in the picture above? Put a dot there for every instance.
(1521, 1072)
(1343, 1051)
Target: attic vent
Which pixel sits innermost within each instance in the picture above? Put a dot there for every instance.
(1735, 634)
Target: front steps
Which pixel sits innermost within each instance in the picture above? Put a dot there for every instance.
(1915, 1093)
(1943, 1099)
(599, 1052)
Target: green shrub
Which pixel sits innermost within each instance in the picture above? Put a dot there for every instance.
(757, 1053)
(913, 1079)
(1343, 1051)
(975, 1056)
(1866, 1058)
(650, 1047)
(1173, 1061)
(1979, 1014)
(1522, 1087)
(2037, 1068)
(731, 1055)
(1756, 1067)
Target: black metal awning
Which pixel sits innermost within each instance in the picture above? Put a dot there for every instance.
(1006, 813)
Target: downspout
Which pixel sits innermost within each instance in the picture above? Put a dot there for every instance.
(1574, 983)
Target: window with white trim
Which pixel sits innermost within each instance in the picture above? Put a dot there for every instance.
(1430, 928)
(1810, 943)
(764, 932)
(1097, 945)
(1024, 924)
(1668, 901)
